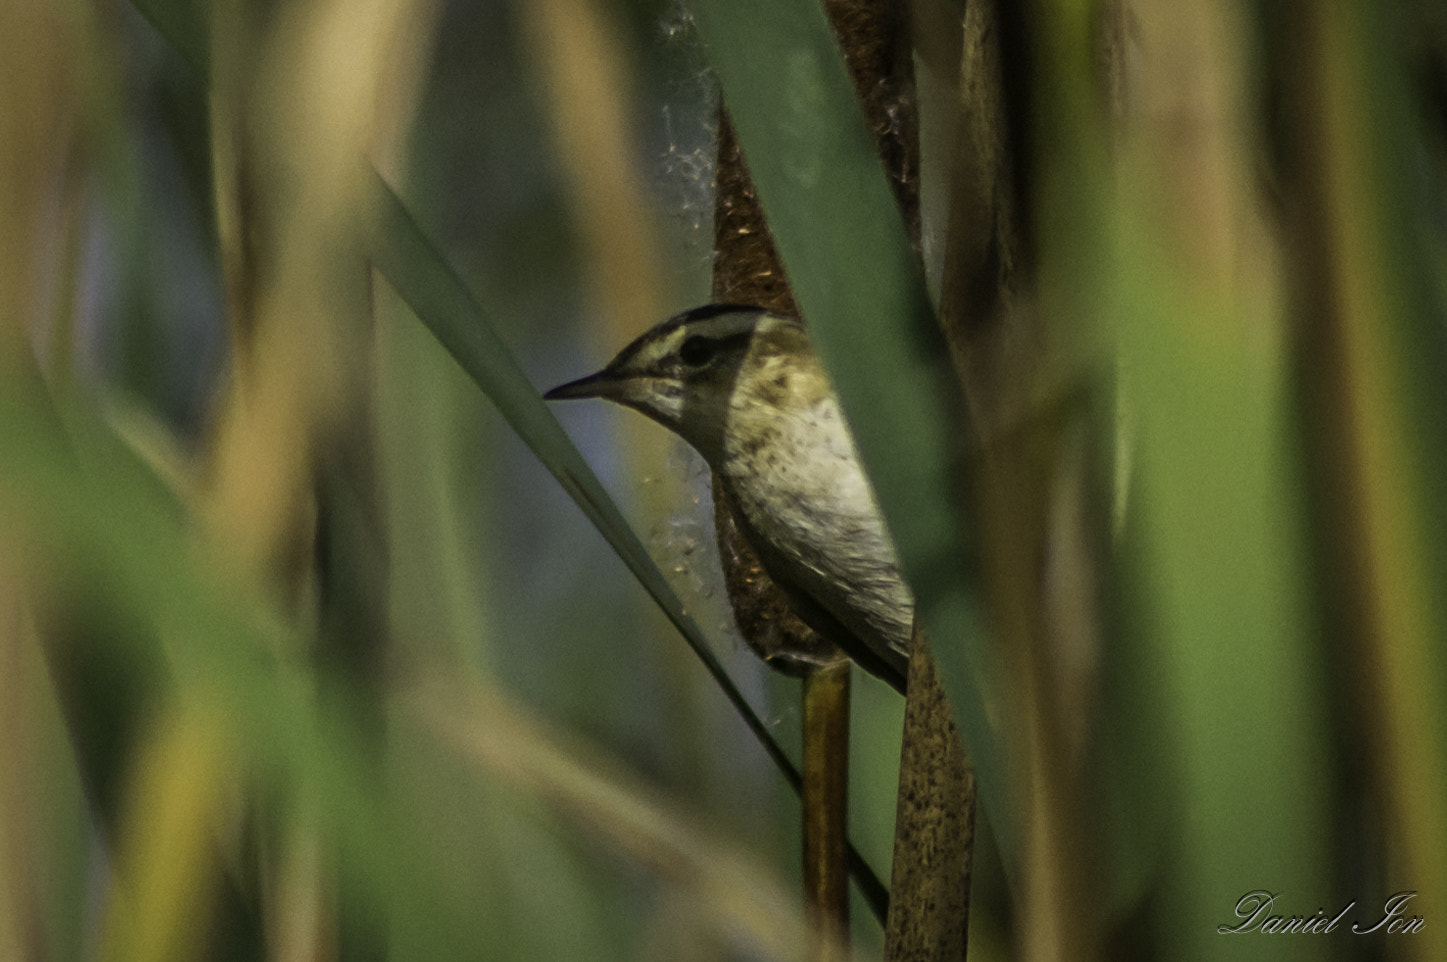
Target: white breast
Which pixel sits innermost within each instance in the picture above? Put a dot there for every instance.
(804, 492)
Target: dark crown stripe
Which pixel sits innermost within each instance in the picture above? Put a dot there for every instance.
(698, 315)
(711, 311)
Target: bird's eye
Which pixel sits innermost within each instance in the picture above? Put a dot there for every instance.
(697, 350)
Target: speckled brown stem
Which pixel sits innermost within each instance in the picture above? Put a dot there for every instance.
(929, 913)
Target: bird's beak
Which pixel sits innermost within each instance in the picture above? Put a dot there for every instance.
(604, 384)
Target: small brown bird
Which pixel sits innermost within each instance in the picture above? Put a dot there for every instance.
(745, 388)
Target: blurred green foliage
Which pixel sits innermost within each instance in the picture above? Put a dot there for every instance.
(305, 652)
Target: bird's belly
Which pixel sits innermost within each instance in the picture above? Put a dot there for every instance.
(816, 525)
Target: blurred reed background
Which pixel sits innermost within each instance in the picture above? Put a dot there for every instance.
(306, 652)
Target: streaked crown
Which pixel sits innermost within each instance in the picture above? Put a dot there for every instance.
(682, 371)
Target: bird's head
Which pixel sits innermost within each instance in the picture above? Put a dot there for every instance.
(692, 372)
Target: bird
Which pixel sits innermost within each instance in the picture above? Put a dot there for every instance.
(744, 387)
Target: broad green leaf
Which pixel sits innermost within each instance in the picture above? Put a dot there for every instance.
(861, 289)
